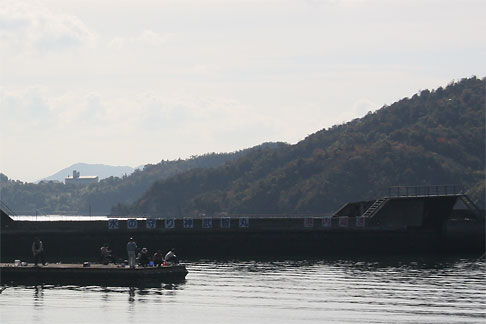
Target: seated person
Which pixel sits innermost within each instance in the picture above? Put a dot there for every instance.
(106, 256)
(158, 258)
(143, 258)
(171, 258)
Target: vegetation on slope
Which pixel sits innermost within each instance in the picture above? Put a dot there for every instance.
(60, 198)
(433, 138)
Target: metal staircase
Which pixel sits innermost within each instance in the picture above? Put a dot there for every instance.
(375, 207)
(472, 206)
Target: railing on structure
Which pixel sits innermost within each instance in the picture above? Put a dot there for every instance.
(426, 191)
(227, 215)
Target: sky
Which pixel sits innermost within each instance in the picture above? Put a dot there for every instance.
(129, 83)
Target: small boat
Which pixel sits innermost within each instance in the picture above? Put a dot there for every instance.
(90, 274)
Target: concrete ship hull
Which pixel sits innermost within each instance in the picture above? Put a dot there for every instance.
(400, 225)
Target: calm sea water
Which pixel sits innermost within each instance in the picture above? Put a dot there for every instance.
(381, 290)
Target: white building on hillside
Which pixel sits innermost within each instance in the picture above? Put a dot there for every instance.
(82, 180)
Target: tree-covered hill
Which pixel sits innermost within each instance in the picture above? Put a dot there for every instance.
(433, 138)
(60, 198)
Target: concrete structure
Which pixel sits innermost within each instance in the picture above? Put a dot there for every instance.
(410, 225)
(80, 180)
(95, 274)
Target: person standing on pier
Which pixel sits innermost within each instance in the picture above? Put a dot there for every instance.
(132, 253)
(38, 252)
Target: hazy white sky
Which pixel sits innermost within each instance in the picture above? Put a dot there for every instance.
(134, 82)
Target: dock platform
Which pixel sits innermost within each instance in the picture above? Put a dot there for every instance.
(94, 274)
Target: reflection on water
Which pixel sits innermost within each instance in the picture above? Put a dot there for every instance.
(38, 296)
(363, 290)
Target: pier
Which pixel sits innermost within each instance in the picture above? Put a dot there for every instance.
(94, 274)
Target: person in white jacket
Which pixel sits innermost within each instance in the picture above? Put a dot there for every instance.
(171, 258)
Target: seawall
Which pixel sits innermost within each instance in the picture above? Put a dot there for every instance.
(411, 225)
(275, 237)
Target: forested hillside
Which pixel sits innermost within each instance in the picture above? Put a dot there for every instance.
(59, 198)
(433, 138)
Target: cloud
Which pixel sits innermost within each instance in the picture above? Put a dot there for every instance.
(206, 123)
(116, 43)
(342, 3)
(28, 110)
(183, 113)
(33, 27)
(152, 38)
(146, 38)
(201, 68)
(144, 112)
(74, 109)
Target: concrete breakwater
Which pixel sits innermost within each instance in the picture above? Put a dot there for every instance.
(387, 225)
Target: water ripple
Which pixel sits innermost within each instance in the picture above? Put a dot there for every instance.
(289, 291)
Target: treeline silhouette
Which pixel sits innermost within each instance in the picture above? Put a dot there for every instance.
(98, 198)
(433, 138)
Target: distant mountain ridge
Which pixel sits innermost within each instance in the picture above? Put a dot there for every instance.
(98, 198)
(103, 171)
